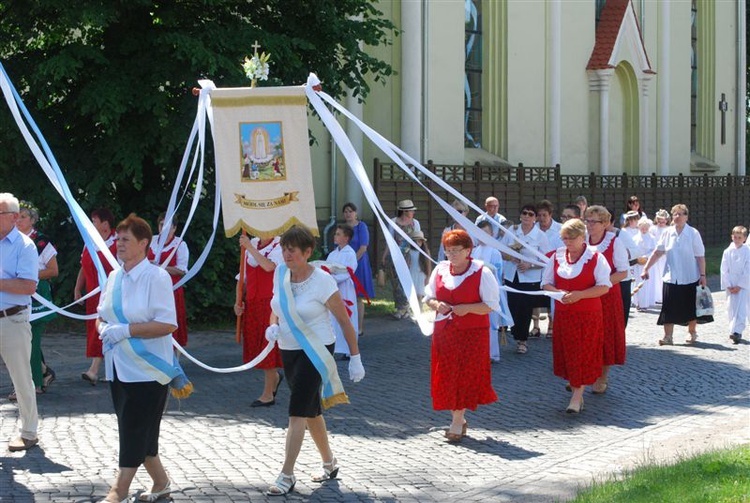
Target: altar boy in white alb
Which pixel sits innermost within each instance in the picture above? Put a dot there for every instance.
(735, 280)
(342, 260)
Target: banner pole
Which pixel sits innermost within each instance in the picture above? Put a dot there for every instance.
(240, 285)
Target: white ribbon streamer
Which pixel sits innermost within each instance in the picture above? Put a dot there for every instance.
(554, 295)
(227, 370)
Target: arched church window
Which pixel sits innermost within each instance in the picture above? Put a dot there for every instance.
(473, 74)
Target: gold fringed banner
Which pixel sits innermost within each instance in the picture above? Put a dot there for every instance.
(263, 160)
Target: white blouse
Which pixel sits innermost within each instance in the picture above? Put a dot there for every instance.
(272, 251)
(310, 297)
(567, 270)
(535, 239)
(182, 254)
(619, 253)
(146, 296)
(489, 290)
(681, 251)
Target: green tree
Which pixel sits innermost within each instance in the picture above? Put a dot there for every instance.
(109, 85)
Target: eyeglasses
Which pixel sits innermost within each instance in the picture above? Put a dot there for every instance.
(528, 213)
(592, 222)
(566, 217)
(7, 212)
(453, 251)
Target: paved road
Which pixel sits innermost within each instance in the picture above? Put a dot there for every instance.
(665, 403)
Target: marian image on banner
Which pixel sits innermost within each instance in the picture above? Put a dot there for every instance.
(262, 152)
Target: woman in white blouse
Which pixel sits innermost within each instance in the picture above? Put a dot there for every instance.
(136, 317)
(684, 271)
(523, 275)
(303, 297)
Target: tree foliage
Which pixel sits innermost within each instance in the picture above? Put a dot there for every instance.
(109, 84)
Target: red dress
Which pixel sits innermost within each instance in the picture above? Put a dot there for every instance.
(614, 319)
(578, 342)
(181, 334)
(91, 282)
(460, 371)
(258, 295)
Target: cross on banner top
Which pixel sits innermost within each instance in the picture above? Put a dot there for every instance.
(256, 46)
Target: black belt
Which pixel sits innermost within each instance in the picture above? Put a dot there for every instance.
(12, 310)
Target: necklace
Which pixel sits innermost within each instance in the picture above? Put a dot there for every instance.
(456, 273)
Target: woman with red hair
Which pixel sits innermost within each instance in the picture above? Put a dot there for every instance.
(463, 292)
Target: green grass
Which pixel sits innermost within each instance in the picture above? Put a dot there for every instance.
(714, 477)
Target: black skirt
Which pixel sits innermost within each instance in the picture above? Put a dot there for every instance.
(304, 382)
(139, 407)
(678, 305)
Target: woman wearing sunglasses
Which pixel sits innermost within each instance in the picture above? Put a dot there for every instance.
(523, 274)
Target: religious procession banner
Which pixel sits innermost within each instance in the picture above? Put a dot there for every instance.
(263, 159)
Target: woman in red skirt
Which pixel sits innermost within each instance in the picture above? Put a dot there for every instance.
(597, 220)
(262, 255)
(583, 274)
(463, 292)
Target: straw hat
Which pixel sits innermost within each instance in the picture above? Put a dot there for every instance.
(416, 235)
(406, 205)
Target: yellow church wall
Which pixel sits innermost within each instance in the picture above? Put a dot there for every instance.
(444, 71)
(527, 139)
(576, 113)
(726, 82)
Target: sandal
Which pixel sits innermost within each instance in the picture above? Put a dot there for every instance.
(666, 341)
(330, 471)
(600, 389)
(48, 378)
(14, 398)
(521, 348)
(155, 496)
(535, 332)
(692, 338)
(283, 485)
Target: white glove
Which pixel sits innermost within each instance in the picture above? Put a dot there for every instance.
(356, 370)
(272, 333)
(114, 333)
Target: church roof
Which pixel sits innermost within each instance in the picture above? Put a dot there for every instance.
(612, 25)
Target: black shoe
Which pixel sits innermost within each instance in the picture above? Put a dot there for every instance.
(736, 338)
(258, 403)
(281, 378)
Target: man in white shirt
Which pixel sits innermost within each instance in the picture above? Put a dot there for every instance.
(546, 224)
(492, 206)
(19, 273)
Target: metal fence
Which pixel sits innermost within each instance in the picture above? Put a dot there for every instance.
(716, 203)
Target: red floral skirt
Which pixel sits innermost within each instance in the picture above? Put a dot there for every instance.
(254, 324)
(577, 348)
(614, 327)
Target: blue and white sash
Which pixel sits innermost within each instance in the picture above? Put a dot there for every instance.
(333, 391)
(160, 370)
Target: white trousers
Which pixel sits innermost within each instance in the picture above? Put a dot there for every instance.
(738, 305)
(15, 350)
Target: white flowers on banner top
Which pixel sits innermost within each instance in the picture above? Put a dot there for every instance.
(256, 68)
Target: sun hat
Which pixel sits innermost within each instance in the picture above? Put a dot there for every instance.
(415, 235)
(406, 205)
